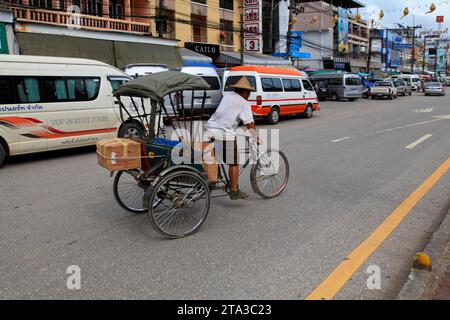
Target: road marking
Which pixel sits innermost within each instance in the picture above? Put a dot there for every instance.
(342, 139)
(425, 110)
(345, 270)
(436, 118)
(416, 143)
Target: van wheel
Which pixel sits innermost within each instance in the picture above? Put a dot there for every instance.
(274, 116)
(2, 155)
(131, 130)
(309, 112)
(334, 97)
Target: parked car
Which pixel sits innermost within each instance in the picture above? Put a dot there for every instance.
(279, 92)
(141, 69)
(445, 81)
(341, 85)
(434, 88)
(383, 89)
(403, 88)
(50, 103)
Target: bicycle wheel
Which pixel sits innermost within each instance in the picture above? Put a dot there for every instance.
(129, 191)
(181, 203)
(270, 175)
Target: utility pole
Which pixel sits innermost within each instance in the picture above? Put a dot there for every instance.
(293, 12)
(159, 20)
(413, 46)
(423, 54)
(271, 26)
(436, 59)
(413, 49)
(242, 36)
(369, 58)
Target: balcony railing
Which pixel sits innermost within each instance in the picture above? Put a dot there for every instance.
(78, 21)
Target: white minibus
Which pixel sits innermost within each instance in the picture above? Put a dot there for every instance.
(50, 103)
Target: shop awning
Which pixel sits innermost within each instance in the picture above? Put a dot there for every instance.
(116, 53)
(229, 59)
(192, 56)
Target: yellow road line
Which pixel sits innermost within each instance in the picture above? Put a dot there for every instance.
(339, 277)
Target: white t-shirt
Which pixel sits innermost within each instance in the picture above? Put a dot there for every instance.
(231, 110)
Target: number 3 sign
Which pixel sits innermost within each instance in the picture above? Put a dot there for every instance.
(251, 44)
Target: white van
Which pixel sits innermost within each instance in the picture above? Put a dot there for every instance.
(142, 69)
(410, 79)
(49, 103)
(279, 91)
(213, 96)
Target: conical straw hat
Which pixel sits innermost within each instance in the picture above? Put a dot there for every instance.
(243, 83)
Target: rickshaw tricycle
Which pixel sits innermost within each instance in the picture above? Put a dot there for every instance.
(177, 195)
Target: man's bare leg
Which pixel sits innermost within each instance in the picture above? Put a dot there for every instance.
(236, 194)
(234, 177)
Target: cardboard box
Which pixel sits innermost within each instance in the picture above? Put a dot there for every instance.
(119, 154)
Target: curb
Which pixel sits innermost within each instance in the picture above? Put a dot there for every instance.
(421, 284)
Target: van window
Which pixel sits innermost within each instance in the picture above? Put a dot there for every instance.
(307, 85)
(213, 82)
(55, 89)
(271, 85)
(234, 79)
(28, 89)
(116, 82)
(292, 85)
(352, 82)
(6, 92)
(83, 89)
(335, 82)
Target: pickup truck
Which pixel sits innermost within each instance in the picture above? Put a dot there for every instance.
(383, 89)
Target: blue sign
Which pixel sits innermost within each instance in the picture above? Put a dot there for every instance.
(398, 39)
(301, 55)
(402, 46)
(295, 41)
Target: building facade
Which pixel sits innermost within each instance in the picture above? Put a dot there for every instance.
(333, 36)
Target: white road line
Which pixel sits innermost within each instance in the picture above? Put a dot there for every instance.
(425, 110)
(416, 143)
(339, 140)
(409, 125)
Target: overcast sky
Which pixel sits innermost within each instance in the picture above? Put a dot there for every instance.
(393, 10)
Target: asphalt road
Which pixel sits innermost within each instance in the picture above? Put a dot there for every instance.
(350, 169)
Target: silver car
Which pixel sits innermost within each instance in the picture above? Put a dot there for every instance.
(403, 88)
(434, 88)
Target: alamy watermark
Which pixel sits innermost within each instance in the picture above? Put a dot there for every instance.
(74, 19)
(374, 280)
(73, 282)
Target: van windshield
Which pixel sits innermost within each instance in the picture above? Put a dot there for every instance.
(213, 82)
(352, 82)
(234, 79)
(407, 80)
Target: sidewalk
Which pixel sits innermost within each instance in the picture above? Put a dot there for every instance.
(434, 285)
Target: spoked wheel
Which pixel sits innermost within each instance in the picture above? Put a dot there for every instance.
(181, 203)
(270, 176)
(129, 191)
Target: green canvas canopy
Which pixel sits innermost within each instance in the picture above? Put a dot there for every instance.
(159, 85)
